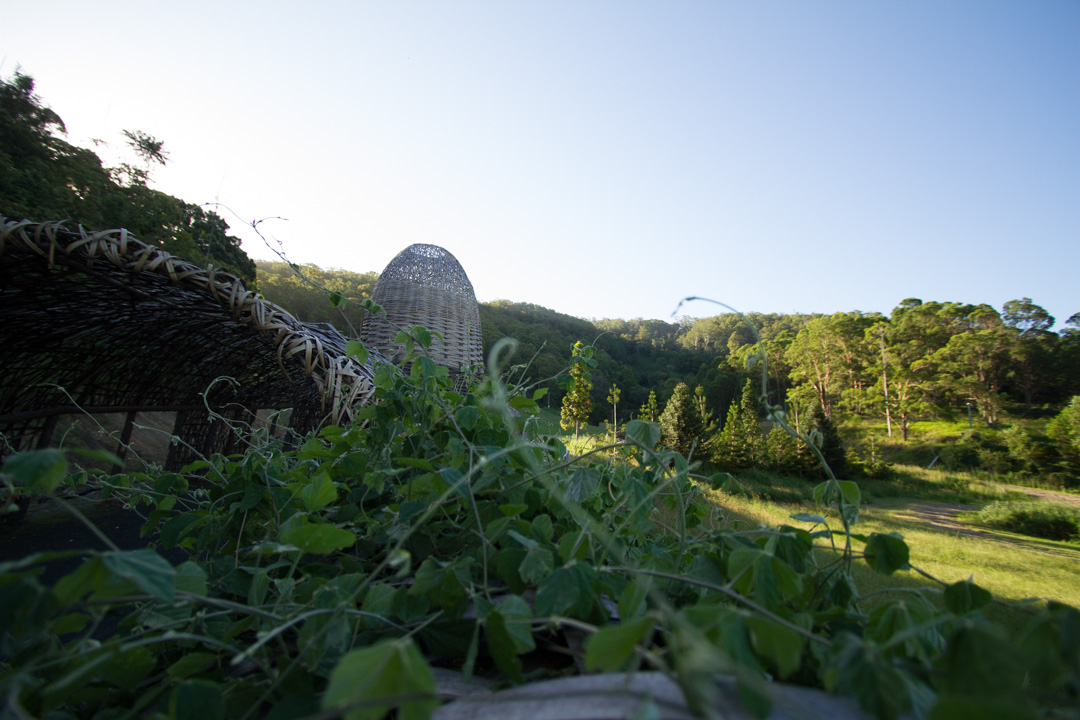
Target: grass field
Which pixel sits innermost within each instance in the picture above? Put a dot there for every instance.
(927, 507)
(921, 505)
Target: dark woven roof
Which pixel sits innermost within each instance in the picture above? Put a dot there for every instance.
(102, 321)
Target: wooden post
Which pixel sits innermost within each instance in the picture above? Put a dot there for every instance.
(125, 441)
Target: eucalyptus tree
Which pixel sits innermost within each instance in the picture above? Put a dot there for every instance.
(973, 364)
(1034, 346)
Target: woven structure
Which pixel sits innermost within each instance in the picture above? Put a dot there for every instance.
(98, 322)
(425, 285)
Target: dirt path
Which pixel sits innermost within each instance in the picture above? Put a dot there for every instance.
(943, 517)
(1050, 495)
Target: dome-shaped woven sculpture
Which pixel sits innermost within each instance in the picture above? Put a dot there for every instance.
(426, 285)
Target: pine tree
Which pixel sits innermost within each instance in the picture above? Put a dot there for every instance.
(650, 411)
(577, 403)
(740, 443)
(727, 448)
(782, 455)
(749, 415)
(680, 423)
(708, 420)
(832, 449)
(613, 398)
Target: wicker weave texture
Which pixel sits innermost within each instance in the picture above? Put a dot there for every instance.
(100, 319)
(426, 285)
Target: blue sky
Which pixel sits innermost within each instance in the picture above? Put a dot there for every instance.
(606, 159)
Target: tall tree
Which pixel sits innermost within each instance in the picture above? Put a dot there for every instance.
(680, 423)
(898, 389)
(577, 403)
(740, 443)
(1033, 346)
(972, 365)
(650, 410)
(613, 398)
(832, 449)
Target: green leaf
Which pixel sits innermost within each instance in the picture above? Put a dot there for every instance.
(192, 664)
(39, 471)
(336, 299)
(379, 600)
(887, 553)
(197, 700)
(315, 538)
(525, 541)
(633, 600)
(85, 579)
(646, 434)
(763, 577)
(776, 642)
(356, 349)
(964, 596)
(71, 623)
(501, 646)
(611, 648)
(980, 661)
(149, 571)
(582, 484)
(517, 614)
(127, 669)
(191, 578)
(423, 336)
(808, 517)
(377, 677)
(850, 490)
(567, 591)
(429, 576)
(467, 417)
(178, 527)
(319, 493)
(542, 528)
(538, 564)
(512, 510)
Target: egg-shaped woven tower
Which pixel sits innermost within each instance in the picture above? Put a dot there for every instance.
(426, 285)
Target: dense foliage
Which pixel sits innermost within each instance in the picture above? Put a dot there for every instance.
(316, 295)
(442, 530)
(45, 178)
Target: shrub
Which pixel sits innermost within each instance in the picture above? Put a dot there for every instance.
(1038, 519)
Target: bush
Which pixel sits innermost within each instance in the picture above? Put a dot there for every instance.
(1038, 519)
(869, 466)
(959, 456)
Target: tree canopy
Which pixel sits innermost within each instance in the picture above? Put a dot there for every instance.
(45, 178)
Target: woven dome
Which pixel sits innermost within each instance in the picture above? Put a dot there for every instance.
(426, 285)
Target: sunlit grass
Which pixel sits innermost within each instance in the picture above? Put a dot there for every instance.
(1012, 567)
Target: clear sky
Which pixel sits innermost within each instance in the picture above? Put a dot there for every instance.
(605, 159)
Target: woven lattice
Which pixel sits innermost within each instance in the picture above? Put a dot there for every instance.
(100, 321)
(425, 285)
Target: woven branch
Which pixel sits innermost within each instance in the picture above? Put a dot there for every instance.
(103, 319)
(426, 285)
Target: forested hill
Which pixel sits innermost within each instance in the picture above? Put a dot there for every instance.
(923, 360)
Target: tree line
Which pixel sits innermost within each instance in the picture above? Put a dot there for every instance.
(924, 360)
